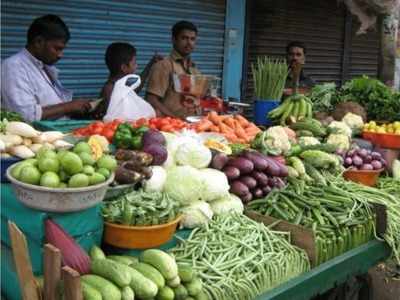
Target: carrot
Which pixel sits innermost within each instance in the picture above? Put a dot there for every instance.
(240, 132)
(230, 122)
(231, 137)
(224, 128)
(243, 122)
(252, 130)
(215, 128)
(203, 125)
(213, 117)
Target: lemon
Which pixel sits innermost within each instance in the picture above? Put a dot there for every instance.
(372, 123)
(381, 130)
(390, 130)
(372, 130)
(397, 131)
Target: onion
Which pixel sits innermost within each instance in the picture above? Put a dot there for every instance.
(362, 153)
(348, 162)
(357, 161)
(376, 155)
(368, 159)
(376, 164)
(368, 167)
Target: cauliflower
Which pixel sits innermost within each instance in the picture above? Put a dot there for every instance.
(273, 141)
(308, 140)
(355, 122)
(341, 141)
(340, 128)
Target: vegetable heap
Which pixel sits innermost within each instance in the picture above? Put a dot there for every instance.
(339, 217)
(238, 258)
(293, 108)
(153, 275)
(140, 208)
(10, 116)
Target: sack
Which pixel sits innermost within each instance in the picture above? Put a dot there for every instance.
(125, 104)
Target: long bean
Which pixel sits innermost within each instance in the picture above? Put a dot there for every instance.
(256, 258)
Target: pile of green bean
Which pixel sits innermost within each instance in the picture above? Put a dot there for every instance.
(388, 194)
(339, 220)
(140, 208)
(238, 258)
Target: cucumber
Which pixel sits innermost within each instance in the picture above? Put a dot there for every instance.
(174, 282)
(127, 293)
(185, 272)
(201, 296)
(107, 289)
(151, 273)
(180, 292)
(300, 133)
(189, 298)
(89, 292)
(133, 259)
(311, 125)
(165, 293)
(96, 253)
(329, 148)
(162, 261)
(111, 270)
(194, 287)
(315, 174)
(143, 287)
(121, 259)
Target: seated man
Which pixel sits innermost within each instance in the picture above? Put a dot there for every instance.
(30, 84)
(120, 60)
(296, 55)
(161, 92)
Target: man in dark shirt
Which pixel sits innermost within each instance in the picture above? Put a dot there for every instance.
(296, 54)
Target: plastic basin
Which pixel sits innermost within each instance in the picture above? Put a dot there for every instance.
(139, 237)
(384, 140)
(58, 199)
(261, 110)
(365, 177)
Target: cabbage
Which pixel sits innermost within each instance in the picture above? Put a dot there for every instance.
(184, 184)
(197, 214)
(157, 180)
(215, 184)
(193, 154)
(228, 204)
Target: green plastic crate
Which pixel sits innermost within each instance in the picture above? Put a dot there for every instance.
(61, 125)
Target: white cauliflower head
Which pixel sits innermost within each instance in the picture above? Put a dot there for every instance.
(277, 140)
(355, 122)
(340, 128)
(341, 141)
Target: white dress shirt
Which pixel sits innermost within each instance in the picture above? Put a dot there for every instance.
(26, 86)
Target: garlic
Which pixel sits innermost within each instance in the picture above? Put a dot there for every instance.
(61, 144)
(12, 139)
(21, 151)
(35, 147)
(21, 129)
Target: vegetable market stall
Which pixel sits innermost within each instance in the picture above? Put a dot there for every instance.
(204, 176)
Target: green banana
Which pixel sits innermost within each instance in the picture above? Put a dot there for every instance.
(295, 110)
(286, 114)
(277, 112)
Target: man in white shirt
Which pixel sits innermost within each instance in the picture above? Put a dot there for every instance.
(30, 84)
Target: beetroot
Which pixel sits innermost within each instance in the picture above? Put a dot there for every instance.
(153, 136)
(158, 151)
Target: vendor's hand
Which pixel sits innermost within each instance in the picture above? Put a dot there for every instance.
(287, 92)
(78, 106)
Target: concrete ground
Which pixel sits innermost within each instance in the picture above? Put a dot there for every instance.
(385, 282)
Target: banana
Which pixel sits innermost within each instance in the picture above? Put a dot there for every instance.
(277, 112)
(309, 113)
(302, 109)
(286, 114)
(295, 110)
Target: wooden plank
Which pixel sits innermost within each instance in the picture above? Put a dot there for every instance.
(29, 287)
(72, 284)
(52, 271)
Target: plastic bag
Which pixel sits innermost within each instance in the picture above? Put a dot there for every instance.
(125, 104)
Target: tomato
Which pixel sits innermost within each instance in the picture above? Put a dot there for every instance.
(96, 130)
(167, 128)
(108, 134)
(141, 122)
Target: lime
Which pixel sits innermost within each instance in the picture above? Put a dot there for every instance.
(16, 170)
(63, 176)
(46, 152)
(82, 147)
(49, 164)
(87, 158)
(108, 162)
(61, 153)
(29, 174)
(31, 161)
(89, 170)
(71, 163)
(104, 172)
(78, 180)
(62, 185)
(96, 178)
(50, 179)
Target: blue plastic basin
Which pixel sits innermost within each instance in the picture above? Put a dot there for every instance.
(261, 110)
